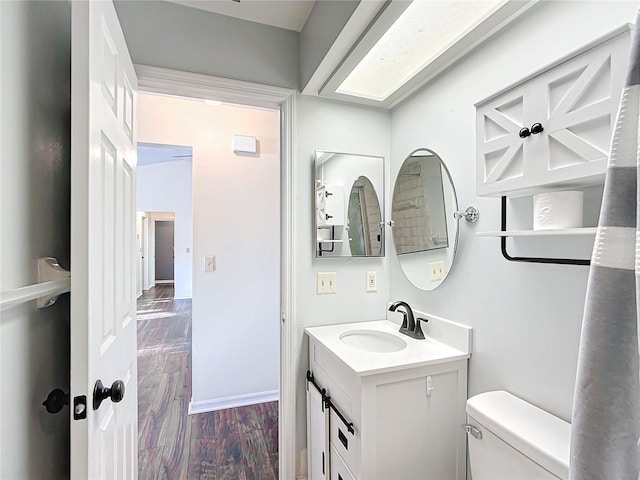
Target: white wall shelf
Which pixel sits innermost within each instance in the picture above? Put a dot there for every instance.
(540, 233)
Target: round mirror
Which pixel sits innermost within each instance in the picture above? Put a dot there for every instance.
(425, 233)
(364, 217)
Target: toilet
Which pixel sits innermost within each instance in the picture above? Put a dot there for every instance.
(511, 439)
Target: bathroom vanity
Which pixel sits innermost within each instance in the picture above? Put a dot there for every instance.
(397, 403)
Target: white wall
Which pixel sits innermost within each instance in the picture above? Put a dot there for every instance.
(334, 127)
(236, 218)
(34, 205)
(526, 317)
(166, 187)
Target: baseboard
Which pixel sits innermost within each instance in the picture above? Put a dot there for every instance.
(181, 298)
(161, 282)
(204, 406)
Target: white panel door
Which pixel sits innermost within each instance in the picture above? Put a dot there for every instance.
(103, 257)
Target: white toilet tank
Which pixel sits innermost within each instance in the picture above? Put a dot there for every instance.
(518, 440)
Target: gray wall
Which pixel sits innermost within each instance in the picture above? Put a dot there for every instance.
(163, 34)
(526, 317)
(35, 199)
(325, 22)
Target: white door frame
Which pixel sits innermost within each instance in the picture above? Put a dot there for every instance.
(193, 85)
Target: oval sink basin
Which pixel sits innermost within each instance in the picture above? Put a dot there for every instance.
(373, 341)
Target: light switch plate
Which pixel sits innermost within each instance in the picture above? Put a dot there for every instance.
(326, 282)
(209, 264)
(436, 271)
(372, 282)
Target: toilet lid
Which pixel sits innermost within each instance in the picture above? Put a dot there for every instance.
(542, 437)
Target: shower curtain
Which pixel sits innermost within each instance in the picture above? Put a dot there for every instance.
(606, 410)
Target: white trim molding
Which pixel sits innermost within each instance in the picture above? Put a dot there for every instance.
(205, 406)
(184, 84)
(194, 85)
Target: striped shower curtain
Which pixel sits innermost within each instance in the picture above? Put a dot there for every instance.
(606, 410)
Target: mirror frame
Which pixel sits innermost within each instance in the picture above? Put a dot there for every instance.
(453, 243)
(379, 193)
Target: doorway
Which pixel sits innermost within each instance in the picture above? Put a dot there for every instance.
(172, 82)
(234, 366)
(164, 251)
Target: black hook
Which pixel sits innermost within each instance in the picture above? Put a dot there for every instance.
(524, 132)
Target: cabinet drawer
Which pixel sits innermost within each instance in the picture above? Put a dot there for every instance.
(339, 470)
(345, 443)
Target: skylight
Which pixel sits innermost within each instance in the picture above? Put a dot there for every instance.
(421, 34)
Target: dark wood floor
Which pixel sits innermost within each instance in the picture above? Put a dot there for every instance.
(237, 443)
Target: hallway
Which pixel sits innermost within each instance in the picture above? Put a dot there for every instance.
(236, 443)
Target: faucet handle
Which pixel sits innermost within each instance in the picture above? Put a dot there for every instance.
(418, 329)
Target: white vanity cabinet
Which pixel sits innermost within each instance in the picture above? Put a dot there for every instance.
(575, 102)
(406, 421)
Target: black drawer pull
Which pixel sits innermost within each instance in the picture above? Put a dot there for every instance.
(343, 439)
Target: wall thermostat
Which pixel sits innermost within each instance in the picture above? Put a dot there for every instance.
(244, 144)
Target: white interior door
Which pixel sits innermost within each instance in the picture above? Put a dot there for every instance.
(103, 308)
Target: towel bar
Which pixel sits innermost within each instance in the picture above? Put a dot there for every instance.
(53, 281)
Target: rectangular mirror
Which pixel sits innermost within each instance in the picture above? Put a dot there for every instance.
(349, 205)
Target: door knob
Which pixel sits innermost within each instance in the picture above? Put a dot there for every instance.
(537, 128)
(100, 393)
(56, 400)
(524, 132)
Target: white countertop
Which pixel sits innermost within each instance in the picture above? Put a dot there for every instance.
(418, 353)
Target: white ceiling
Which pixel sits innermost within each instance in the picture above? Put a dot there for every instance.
(289, 14)
(150, 153)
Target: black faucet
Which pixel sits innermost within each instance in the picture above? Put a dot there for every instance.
(409, 325)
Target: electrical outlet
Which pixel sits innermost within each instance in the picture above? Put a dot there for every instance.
(209, 264)
(326, 282)
(436, 271)
(372, 282)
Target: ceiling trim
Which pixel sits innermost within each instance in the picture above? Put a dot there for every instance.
(362, 18)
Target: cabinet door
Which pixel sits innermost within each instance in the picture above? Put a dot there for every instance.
(317, 435)
(575, 101)
(500, 150)
(418, 428)
(578, 101)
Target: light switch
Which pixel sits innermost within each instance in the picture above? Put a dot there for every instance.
(209, 264)
(326, 282)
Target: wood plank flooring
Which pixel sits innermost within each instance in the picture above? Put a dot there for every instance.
(237, 443)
